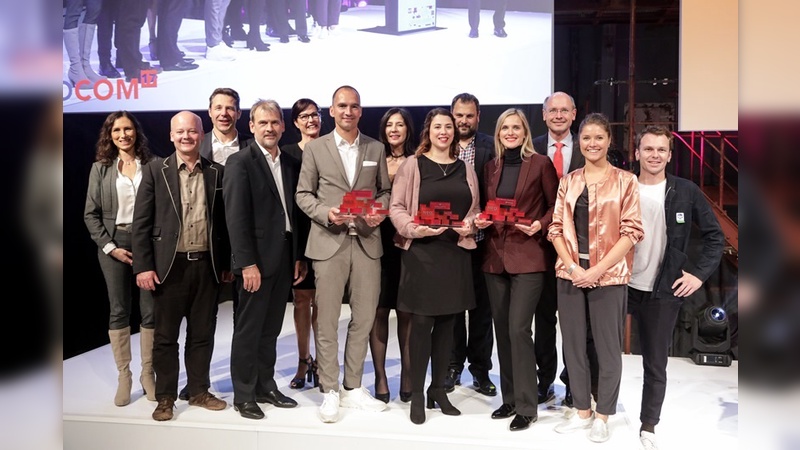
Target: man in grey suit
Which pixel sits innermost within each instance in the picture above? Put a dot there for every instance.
(344, 252)
(561, 145)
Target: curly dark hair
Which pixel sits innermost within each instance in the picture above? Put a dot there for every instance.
(425, 136)
(107, 152)
(408, 145)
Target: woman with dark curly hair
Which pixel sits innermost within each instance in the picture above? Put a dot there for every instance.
(397, 135)
(122, 150)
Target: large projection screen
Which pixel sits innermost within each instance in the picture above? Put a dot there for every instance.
(418, 68)
(708, 96)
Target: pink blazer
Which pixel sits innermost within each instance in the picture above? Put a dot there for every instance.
(405, 203)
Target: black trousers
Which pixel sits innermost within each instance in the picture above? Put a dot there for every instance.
(656, 321)
(258, 324)
(170, 17)
(544, 338)
(477, 346)
(499, 17)
(514, 299)
(189, 291)
(127, 33)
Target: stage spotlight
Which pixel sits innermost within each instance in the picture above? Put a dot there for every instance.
(362, 3)
(711, 338)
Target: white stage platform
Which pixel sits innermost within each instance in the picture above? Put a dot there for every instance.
(701, 410)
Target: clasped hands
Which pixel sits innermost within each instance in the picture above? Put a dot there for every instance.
(586, 278)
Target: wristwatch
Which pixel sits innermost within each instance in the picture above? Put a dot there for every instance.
(571, 268)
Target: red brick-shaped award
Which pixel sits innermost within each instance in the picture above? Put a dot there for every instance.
(437, 214)
(360, 203)
(504, 211)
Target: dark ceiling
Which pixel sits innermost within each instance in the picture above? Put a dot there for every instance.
(596, 12)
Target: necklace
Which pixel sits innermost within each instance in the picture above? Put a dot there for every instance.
(128, 163)
(394, 157)
(443, 169)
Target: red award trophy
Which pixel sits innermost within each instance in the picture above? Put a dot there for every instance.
(437, 214)
(504, 211)
(359, 204)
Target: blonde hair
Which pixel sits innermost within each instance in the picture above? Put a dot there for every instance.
(527, 143)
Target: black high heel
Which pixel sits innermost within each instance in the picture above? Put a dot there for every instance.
(311, 373)
(405, 397)
(300, 382)
(417, 414)
(254, 42)
(382, 397)
(439, 396)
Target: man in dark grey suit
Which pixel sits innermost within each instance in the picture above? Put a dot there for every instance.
(218, 144)
(561, 145)
(183, 254)
(476, 346)
(262, 216)
(345, 252)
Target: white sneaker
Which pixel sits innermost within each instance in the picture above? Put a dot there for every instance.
(648, 440)
(360, 398)
(220, 52)
(329, 410)
(574, 423)
(599, 432)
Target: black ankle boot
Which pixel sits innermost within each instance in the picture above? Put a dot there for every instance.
(108, 70)
(438, 395)
(254, 42)
(417, 408)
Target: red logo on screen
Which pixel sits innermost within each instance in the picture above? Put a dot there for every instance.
(106, 89)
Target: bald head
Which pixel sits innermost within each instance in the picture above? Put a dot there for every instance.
(186, 133)
(558, 113)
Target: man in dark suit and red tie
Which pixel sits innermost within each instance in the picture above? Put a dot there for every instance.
(561, 145)
(263, 223)
(181, 240)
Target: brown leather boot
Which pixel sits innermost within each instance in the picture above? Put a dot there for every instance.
(121, 348)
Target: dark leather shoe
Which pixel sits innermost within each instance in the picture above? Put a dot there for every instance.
(237, 33)
(567, 399)
(504, 411)
(452, 379)
(249, 410)
(184, 394)
(108, 70)
(188, 60)
(284, 39)
(164, 409)
(499, 32)
(303, 38)
(181, 66)
(272, 32)
(546, 393)
(473, 33)
(276, 399)
(521, 422)
(485, 386)
(208, 401)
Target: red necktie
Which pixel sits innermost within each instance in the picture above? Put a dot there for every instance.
(558, 159)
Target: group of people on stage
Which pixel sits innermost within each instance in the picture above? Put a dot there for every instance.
(598, 243)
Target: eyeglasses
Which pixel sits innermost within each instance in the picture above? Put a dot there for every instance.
(555, 112)
(306, 117)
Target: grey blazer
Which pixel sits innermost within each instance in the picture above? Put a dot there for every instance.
(100, 213)
(323, 183)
